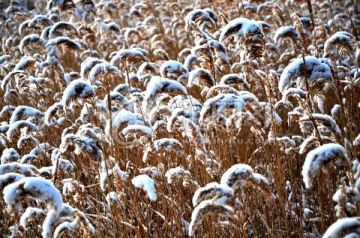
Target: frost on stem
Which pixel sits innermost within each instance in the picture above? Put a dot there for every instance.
(284, 32)
(130, 56)
(58, 29)
(25, 169)
(147, 184)
(51, 112)
(63, 40)
(356, 142)
(6, 110)
(293, 92)
(320, 158)
(221, 89)
(346, 227)
(241, 28)
(87, 65)
(120, 121)
(141, 132)
(9, 78)
(30, 214)
(313, 140)
(344, 207)
(318, 74)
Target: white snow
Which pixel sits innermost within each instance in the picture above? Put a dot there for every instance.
(9, 155)
(8, 178)
(31, 39)
(342, 227)
(127, 55)
(286, 31)
(77, 89)
(325, 119)
(222, 193)
(202, 210)
(234, 79)
(101, 69)
(62, 25)
(175, 172)
(147, 184)
(19, 125)
(319, 157)
(315, 70)
(357, 140)
(161, 85)
(30, 214)
(236, 176)
(19, 168)
(131, 129)
(336, 40)
(201, 77)
(219, 103)
(36, 187)
(63, 39)
(206, 17)
(87, 65)
(174, 70)
(23, 112)
(241, 28)
(335, 111)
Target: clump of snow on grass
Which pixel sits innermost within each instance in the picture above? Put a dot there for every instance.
(241, 28)
(320, 157)
(9, 155)
(175, 172)
(236, 176)
(24, 169)
(9, 178)
(36, 187)
(286, 31)
(174, 70)
(212, 190)
(147, 184)
(31, 213)
(344, 227)
(77, 89)
(315, 70)
(204, 208)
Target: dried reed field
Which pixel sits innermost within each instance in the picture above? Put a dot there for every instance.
(180, 118)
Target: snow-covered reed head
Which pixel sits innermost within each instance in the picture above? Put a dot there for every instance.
(320, 159)
(248, 34)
